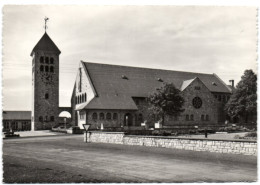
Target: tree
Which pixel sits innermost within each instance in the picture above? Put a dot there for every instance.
(167, 100)
(242, 102)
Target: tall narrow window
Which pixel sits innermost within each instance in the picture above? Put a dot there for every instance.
(85, 97)
(40, 119)
(41, 59)
(207, 117)
(46, 118)
(140, 117)
(80, 79)
(51, 69)
(46, 96)
(46, 68)
(108, 116)
(219, 97)
(191, 117)
(202, 117)
(94, 116)
(51, 60)
(115, 116)
(41, 68)
(47, 60)
(187, 117)
(52, 118)
(101, 116)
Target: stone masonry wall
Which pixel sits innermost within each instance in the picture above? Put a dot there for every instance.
(45, 82)
(220, 146)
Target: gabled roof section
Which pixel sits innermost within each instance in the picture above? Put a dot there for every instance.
(110, 101)
(186, 83)
(140, 82)
(46, 44)
(16, 115)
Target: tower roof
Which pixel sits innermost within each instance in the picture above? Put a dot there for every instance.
(46, 44)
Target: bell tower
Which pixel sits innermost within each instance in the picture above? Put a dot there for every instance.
(45, 83)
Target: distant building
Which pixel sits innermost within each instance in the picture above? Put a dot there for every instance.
(16, 120)
(116, 96)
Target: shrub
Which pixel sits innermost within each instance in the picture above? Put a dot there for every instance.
(251, 134)
(237, 137)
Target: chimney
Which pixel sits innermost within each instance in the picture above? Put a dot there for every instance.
(232, 82)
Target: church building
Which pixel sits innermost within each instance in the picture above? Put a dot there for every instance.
(116, 96)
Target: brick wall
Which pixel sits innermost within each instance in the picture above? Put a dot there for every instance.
(211, 145)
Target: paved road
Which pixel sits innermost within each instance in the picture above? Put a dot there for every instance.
(119, 163)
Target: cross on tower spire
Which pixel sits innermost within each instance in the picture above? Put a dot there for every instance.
(45, 26)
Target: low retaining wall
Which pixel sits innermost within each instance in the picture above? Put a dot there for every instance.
(211, 145)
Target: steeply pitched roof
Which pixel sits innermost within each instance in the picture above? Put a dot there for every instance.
(46, 44)
(112, 81)
(16, 115)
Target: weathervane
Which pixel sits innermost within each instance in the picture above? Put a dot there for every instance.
(46, 19)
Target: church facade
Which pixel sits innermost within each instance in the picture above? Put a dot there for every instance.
(116, 96)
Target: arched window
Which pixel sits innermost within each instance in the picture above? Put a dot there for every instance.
(207, 117)
(41, 68)
(51, 69)
(108, 116)
(51, 60)
(115, 116)
(52, 118)
(46, 118)
(140, 117)
(41, 59)
(202, 117)
(187, 117)
(191, 117)
(101, 116)
(46, 68)
(85, 97)
(46, 96)
(40, 119)
(47, 60)
(94, 116)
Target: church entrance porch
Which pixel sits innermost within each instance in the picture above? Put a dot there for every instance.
(128, 119)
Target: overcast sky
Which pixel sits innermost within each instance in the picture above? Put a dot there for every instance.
(219, 40)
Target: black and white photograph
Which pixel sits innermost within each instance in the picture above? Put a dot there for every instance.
(129, 93)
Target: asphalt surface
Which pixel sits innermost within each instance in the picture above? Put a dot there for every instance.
(97, 162)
